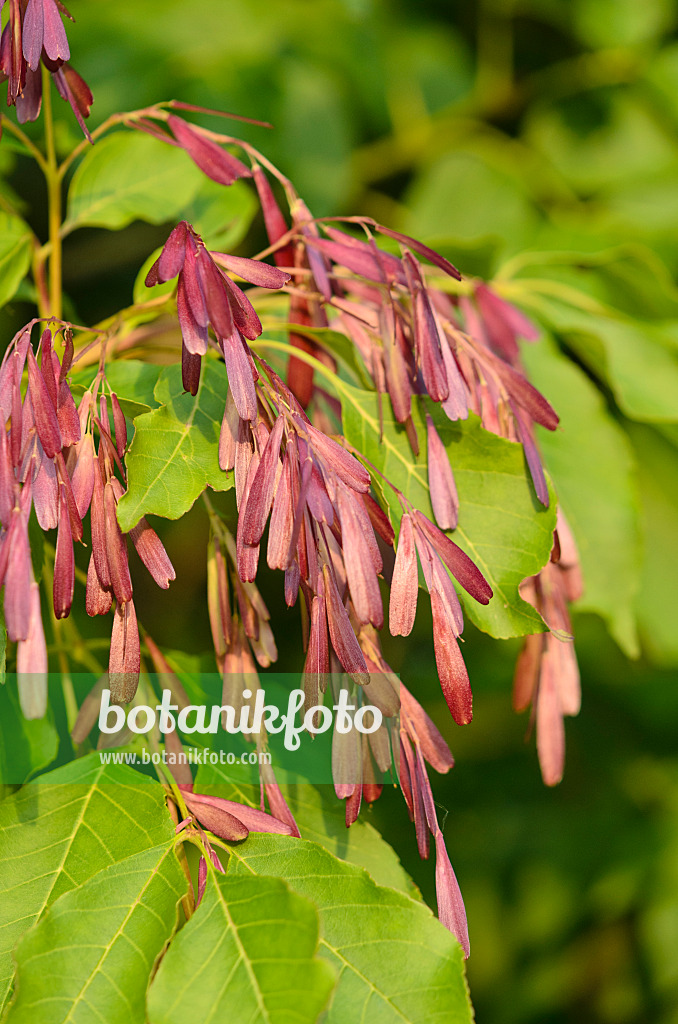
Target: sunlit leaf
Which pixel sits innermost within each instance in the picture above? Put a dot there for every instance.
(249, 954)
(396, 962)
(92, 955)
(174, 453)
(501, 525)
(57, 833)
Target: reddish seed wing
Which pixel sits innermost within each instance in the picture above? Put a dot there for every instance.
(443, 489)
(451, 668)
(405, 583)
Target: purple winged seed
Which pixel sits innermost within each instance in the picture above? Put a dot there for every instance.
(404, 583)
(419, 813)
(73, 514)
(388, 265)
(344, 641)
(192, 284)
(190, 371)
(282, 518)
(360, 572)
(455, 405)
(433, 746)
(120, 425)
(98, 526)
(46, 492)
(116, 547)
(441, 483)
(47, 366)
(532, 457)
(171, 259)
(153, 276)
(346, 762)
(404, 774)
(212, 160)
(342, 462)
(43, 27)
(263, 275)
(7, 387)
(98, 601)
(216, 819)
(31, 662)
(18, 576)
(451, 911)
(361, 514)
(214, 290)
(195, 337)
(450, 664)
(437, 578)
(46, 422)
(124, 661)
(64, 563)
(67, 413)
(276, 800)
(240, 378)
(527, 396)
(244, 314)
(252, 521)
(228, 435)
(501, 335)
(275, 223)
(550, 729)
(429, 352)
(254, 819)
(464, 570)
(74, 90)
(292, 577)
(423, 250)
(425, 789)
(358, 261)
(7, 480)
(152, 553)
(397, 380)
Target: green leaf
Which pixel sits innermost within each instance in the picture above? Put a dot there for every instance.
(247, 954)
(396, 962)
(130, 176)
(58, 832)
(25, 746)
(15, 254)
(322, 819)
(657, 604)
(593, 470)
(174, 452)
(501, 526)
(639, 361)
(132, 380)
(92, 955)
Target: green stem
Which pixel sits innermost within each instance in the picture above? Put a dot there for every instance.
(53, 199)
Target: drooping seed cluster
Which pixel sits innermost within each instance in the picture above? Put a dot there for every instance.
(547, 674)
(35, 35)
(49, 462)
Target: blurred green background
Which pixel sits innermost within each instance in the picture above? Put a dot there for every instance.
(487, 127)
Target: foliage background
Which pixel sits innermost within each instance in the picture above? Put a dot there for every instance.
(488, 128)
